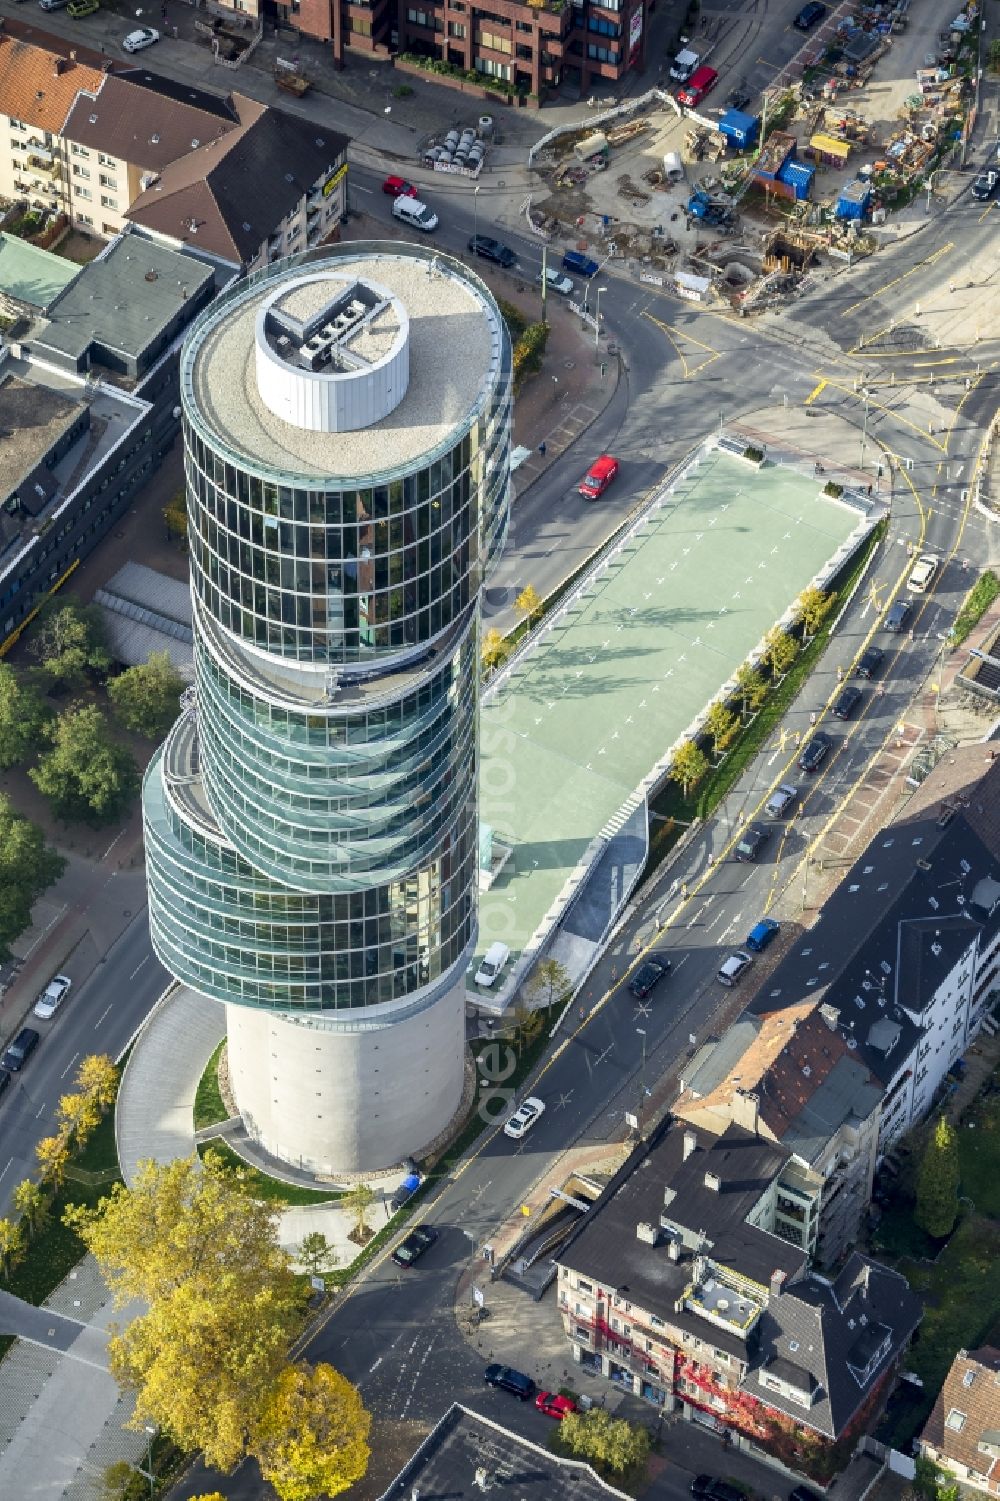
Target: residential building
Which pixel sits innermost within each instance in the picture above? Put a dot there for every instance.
(676, 1286)
(790, 1077)
(362, 26)
(312, 845)
(962, 1434)
(88, 402)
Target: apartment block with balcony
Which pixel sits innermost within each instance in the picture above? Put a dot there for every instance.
(675, 1287)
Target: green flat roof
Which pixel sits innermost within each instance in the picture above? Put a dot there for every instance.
(31, 275)
(630, 663)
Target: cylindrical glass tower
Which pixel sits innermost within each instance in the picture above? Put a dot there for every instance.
(311, 821)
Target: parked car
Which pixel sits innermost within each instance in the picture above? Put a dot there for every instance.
(847, 701)
(921, 573)
(781, 800)
(52, 996)
(754, 838)
(734, 968)
(491, 964)
(420, 1239)
(553, 1405)
(763, 933)
(815, 752)
(868, 662)
(707, 1488)
(647, 976)
(524, 1117)
(598, 477)
(898, 616)
(20, 1050)
(810, 14)
(698, 85)
(78, 8)
(555, 282)
(583, 265)
(738, 98)
(985, 184)
(492, 250)
(404, 1192)
(510, 1380)
(142, 37)
(684, 65)
(399, 188)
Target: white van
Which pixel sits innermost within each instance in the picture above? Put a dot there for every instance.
(413, 212)
(492, 963)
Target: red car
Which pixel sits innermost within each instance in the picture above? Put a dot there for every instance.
(697, 86)
(554, 1406)
(399, 188)
(598, 477)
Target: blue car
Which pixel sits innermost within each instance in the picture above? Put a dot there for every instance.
(583, 265)
(762, 934)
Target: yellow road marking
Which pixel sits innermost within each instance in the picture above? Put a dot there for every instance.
(673, 334)
(896, 416)
(815, 392)
(928, 261)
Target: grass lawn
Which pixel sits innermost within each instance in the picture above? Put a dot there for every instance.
(979, 1155)
(260, 1186)
(209, 1106)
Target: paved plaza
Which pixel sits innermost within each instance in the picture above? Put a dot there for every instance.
(630, 662)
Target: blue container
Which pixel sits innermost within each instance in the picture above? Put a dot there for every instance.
(739, 128)
(798, 176)
(853, 200)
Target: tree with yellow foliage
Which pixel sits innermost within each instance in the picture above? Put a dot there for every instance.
(312, 1439)
(52, 1156)
(78, 1115)
(97, 1077)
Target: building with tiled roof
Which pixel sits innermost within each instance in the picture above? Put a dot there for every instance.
(962, 1434)
(788, 1076)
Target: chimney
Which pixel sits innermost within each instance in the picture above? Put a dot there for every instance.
(777, 1283)
(830, 1015)
(72, 54)
(58, 63)
(713, 1182)
(690, 1144)
(746, 1109)
(674, 1249)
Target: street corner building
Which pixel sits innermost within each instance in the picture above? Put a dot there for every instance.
(311, 820)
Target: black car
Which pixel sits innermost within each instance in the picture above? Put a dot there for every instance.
(847, 702)
(985, 184)
(868, 662)
(646, 976)
(810, 14)
(815, 752)
(419, 1240)
(491, 250)
(752, 842)
(707, 1488)
(898, 615)
(510, 1380)
(738, 98)
(20, 1050)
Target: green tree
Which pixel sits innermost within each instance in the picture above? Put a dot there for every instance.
(11, 1245)
(609, 1443)
(31, 1204)
(937, 1182)
(146, 698)
(358, 1201)
(23, 713)
(721, 723)
(550, 983)
(529, 604)
(495, 649)
(312, 1436)
(27, 867)
(316, 1255)
(812, 607)
(780, 650)
(751, 688)
(69, 642)
(175, 516)
(689, 765)
(85, 774)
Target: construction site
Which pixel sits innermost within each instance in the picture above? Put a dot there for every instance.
(720, 202)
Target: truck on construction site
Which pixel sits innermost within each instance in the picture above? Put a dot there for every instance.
(709, 210)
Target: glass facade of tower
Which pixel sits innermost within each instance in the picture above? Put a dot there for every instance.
(311, 823)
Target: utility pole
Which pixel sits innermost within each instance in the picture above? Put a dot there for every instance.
(545, 284)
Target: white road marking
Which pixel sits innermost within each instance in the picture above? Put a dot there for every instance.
(356, 187)
(69, 1065)
(7, 1168)
(138, 967)
(102, 1016)
(374, 1368)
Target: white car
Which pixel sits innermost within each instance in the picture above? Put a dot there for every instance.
(734, 968)
(556, 282)
(52, 996)
(524, 1118)
(781, 800)
(923, 571)
(144, 36)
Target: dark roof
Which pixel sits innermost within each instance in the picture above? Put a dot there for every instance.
(184, 93)
(463, 1444)
(896, 924)
(227, 197)
(142, 126)
(833, 1340)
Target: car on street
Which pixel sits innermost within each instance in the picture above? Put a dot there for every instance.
(52, 996)
(509, 1380)
(404, 1192)
(897, 617)
(815, 752)
(598, 477)
(847, 701)
(647, 976)
(707, 1488)
(492, 250)
(553, 1405)
(556, 282)
(142, 37)
(781, 800)
(583, 265)
(921, 573)
(738, 98)
(419, 1240)
(524, 1118)
(762, 933)
(702, 80)
(755, 836)
(868, 662)
(20, 1050)
(985, 184)
(399, 188)
(809, 15)
(734, 968)
(78, 8)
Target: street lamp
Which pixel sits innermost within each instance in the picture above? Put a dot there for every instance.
(641, 1031)
(475, 210)
(864, 431)
(147, 1473)
(597, 325)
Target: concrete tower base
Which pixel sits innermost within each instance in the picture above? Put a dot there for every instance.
(335, 1096)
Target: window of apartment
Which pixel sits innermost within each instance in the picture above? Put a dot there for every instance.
(79, 171)
(955, 1420)
(16, 145)
(83, 193)
(85, 219)
(457, 28)
(78, 150)
(109, 229)
(493, 69)
(602, 54)
(419, 18)
(604, 27)
(656, 1323)
(108, 202)
(522, 26)
(584, 1287)
(363, 28)
(106, 161)
(107, 181)
(18, 125)
(458, 8)
(496, 42)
